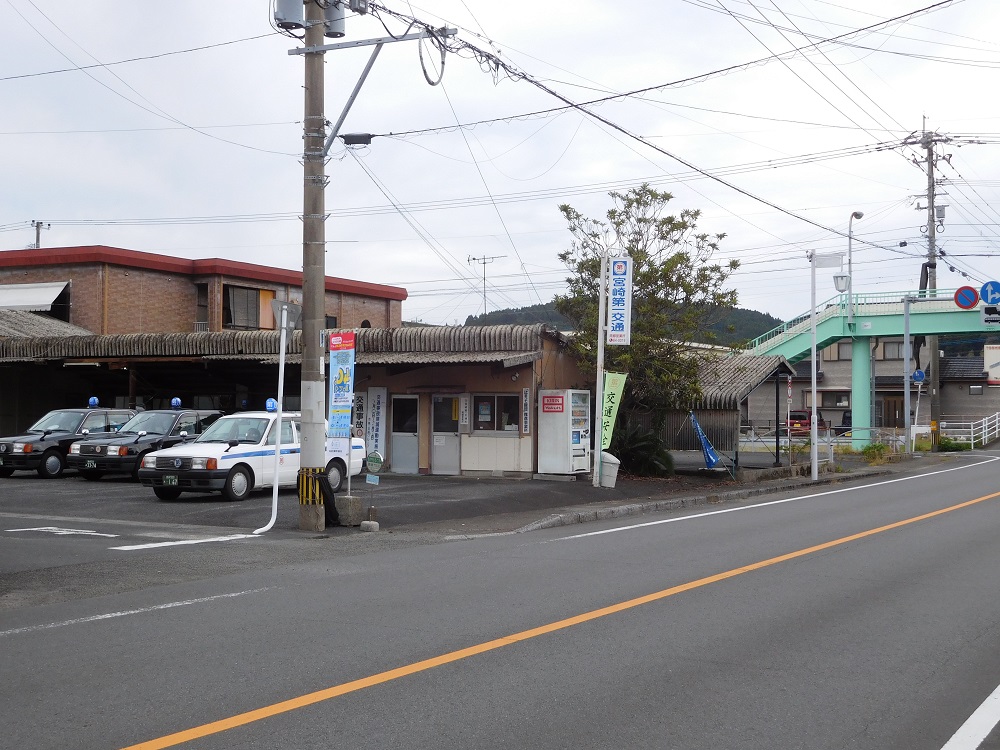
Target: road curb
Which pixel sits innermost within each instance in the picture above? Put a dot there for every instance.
(587, 515)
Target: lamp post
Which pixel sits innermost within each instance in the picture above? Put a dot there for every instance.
(850, 270)
(826, 260)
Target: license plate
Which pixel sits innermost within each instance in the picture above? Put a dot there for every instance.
(169, 480)
(90, 464)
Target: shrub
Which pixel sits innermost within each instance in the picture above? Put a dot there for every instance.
(947, 444)
(641, 452)
(874, 453)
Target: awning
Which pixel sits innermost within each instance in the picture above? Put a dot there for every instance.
(32, 297)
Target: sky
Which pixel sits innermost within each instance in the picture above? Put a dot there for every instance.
(176, 128)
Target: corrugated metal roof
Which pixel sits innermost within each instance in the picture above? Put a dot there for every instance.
(20, 323)
(510, 344)
(726, 381)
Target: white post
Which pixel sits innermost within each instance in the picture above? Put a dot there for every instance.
(277, 441)
(601, 332)
(813, 427)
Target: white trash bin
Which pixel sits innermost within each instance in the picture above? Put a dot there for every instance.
(609, 469)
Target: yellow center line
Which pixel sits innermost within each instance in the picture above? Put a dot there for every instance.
(223, 725)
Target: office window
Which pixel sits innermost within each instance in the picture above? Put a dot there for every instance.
(844, 350)
(240, 307)
(496, 412)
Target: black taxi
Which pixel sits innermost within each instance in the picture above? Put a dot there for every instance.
(43, 447)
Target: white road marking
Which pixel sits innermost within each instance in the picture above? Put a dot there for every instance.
(756, 506)
(978, 726)
(151, 545)
(126, 613)
(64, 532)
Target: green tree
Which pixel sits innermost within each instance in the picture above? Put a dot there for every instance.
(677, 294)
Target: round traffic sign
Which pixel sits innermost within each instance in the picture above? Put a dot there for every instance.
(918, 376)
(966, 297)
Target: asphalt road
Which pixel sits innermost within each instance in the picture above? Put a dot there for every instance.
(845, 616)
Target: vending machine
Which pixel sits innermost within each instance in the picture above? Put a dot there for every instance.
(564, 432)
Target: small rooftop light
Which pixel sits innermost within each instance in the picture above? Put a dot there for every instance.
(271, 405)
(175, 403)
(94, 402)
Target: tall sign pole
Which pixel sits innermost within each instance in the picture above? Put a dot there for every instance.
(312, 514)
(599, 396)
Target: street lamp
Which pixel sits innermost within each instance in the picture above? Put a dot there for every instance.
(850, 271)
(826, 260)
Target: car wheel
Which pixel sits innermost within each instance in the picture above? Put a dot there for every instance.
(92, 476)
(238, 484)
(52, 465)
(167, 493)
(335, 473)
(6, 472)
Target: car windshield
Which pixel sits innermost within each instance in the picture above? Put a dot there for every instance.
(244, 429)
(63, 421)
(150, 422)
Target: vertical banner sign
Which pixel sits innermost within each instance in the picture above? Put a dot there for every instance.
(341, 391)
(620, 302)
(614, 385)
(377, 400)
(525, 411)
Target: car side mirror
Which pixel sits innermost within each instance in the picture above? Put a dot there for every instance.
(184, 435)
(86, 431)
(142, 433)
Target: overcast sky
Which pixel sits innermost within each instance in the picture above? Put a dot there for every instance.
(175, 128)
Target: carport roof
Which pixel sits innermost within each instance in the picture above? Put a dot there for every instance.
(510, 345)
(725, 381)
(21, 323)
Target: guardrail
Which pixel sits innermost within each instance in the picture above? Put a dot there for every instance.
(980, 432)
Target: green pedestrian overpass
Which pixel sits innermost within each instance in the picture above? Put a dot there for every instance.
(878, 315)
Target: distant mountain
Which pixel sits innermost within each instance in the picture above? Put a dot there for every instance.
(736, 325)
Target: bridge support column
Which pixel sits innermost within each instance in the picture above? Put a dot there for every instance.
(861, 395)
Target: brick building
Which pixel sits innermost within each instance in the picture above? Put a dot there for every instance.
(109, 290)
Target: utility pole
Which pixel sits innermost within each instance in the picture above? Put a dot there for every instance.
(39, 226)
(312, 513)
(483, 261)
(928, 140)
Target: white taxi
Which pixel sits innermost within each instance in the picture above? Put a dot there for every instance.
(236, 455)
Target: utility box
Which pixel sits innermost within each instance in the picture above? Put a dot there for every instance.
(564, 431)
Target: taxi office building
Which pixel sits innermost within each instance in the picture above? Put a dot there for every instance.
(97, 291)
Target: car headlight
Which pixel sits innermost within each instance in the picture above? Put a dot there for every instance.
(23, 447)
(75, 449)
(203, 464)
(149, 462)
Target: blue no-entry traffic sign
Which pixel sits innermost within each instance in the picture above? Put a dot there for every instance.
(966, 297)
(990, 293)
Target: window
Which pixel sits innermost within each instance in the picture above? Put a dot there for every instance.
(186, 424)
(286, 433)
(201, 311)
(331, 321)
(844, 350)
(835, 400)
(240, 307)
(499, 412)
(975, 390)
(892, 350)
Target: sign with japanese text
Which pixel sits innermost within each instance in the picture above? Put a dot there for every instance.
(525, 411)
(620, 302)
(614, 386)
(377, 401)
(553, 404)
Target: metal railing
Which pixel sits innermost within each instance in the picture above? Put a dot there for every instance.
(870, 304)
(978, 432)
